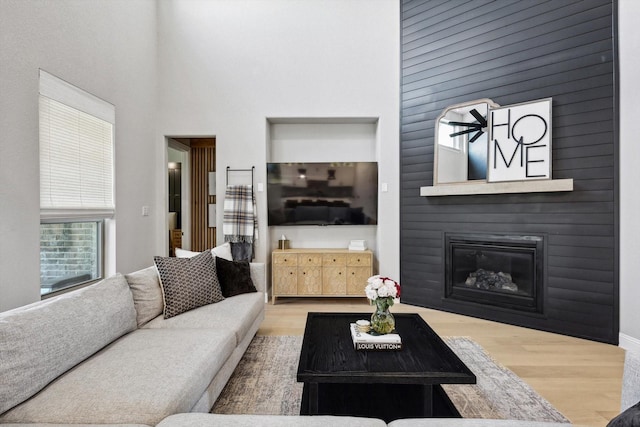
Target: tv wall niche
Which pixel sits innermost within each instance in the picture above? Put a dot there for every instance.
(315, 147)
(513, 52)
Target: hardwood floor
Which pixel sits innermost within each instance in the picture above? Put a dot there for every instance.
(581, 378)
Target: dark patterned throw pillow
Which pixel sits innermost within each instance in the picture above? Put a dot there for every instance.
(188, 283)
(234, 277)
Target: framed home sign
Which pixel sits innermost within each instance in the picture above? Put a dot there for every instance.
(520, 142)
(481, 147)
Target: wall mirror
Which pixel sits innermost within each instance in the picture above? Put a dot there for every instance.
(461, 142)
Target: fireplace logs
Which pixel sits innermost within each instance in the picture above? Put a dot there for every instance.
(490, 280)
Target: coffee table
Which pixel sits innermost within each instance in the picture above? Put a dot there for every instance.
(339, 380)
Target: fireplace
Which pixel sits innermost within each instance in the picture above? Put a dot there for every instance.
(495, 270)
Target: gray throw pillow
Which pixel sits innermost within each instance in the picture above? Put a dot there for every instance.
(147, 294)
(188, 283)
(234, 277)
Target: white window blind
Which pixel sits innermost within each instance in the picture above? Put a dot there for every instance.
(76, 151)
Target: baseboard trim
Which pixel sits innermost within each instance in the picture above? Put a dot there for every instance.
(629, 343)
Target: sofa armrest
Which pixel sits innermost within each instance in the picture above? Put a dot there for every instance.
(631, 380)
(258, 276)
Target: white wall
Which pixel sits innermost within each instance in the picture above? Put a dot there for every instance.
(107, 48)
(224, 67)
(629, 45)
(228, 65)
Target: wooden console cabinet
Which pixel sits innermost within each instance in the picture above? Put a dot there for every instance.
(320, 272)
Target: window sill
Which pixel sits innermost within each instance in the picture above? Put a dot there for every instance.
(471, 188)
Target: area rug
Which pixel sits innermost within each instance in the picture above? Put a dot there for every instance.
(265, 383)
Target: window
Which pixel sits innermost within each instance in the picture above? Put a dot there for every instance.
(76, 183)
(446, 140)
(70, 254)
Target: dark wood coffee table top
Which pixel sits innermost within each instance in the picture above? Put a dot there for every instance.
(328, 355)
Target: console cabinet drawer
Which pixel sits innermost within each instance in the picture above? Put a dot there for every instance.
(334, 260)
(359, 260)
(320, 272)
(314, 260)
(285, 259)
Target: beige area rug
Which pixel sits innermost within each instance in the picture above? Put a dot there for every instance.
(265, 383)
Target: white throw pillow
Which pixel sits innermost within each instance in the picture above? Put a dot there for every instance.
(183, 253)
(223, 251)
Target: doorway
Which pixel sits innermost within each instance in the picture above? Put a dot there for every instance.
(191, 193)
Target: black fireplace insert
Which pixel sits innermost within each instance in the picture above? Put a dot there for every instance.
(495, 270)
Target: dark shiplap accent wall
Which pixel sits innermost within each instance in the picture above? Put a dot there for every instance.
(515, 51)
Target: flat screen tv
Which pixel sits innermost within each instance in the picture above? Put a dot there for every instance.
(337, 193)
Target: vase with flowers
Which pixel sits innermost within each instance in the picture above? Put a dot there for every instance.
(381, 292)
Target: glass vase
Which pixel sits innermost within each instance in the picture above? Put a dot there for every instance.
(382, 321)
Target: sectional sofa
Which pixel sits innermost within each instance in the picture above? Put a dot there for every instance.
(108, 355)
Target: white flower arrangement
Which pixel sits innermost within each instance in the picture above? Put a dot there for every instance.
(382, 287)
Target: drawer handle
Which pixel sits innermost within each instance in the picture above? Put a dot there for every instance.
(353, 273)
(340, 273)
(358, 259)
(304, 272)
(285, 260)
(291, 272)
(309, 259)
(334, 260)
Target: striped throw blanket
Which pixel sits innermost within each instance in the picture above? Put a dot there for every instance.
(240, 221)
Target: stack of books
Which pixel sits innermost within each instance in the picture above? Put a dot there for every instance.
(367, 341)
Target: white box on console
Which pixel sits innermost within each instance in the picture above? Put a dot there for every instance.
(358, 245)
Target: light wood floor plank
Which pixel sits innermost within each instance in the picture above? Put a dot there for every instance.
(581, 378)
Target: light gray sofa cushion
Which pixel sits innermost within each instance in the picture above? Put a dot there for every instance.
(142, 378)
(214, 420)
(235, 314)
(147, 295)
(75, 425)
(41, 341)
(469, 422)
(630, 380)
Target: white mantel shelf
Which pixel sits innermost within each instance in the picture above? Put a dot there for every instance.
(470, 188)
